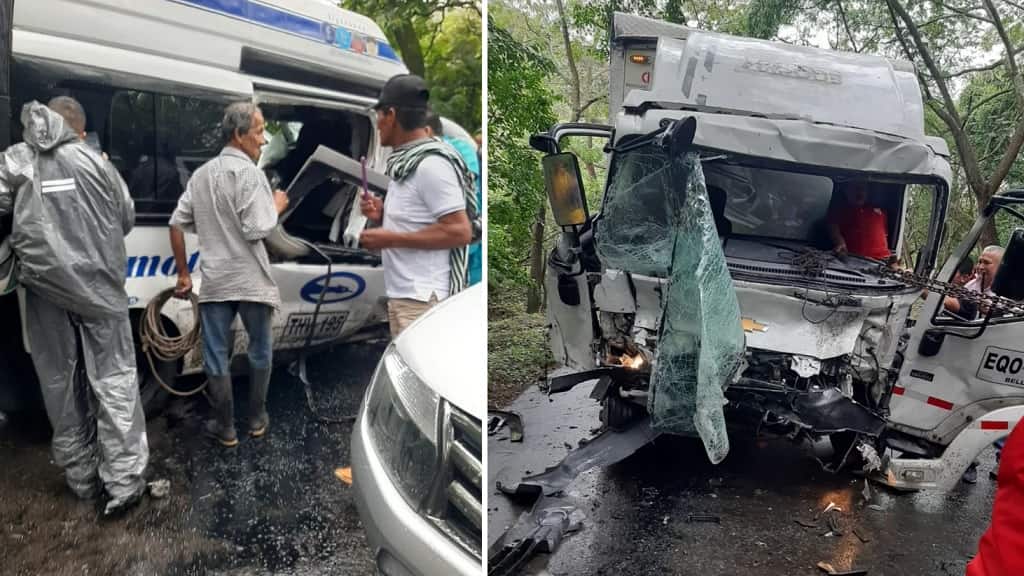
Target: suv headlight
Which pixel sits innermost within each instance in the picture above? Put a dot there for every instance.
(403, 419)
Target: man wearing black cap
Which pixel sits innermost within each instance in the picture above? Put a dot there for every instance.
(425, 227)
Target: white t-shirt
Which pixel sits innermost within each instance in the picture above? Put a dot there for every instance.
(431, 192)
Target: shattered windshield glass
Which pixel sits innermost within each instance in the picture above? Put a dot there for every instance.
(657, 220)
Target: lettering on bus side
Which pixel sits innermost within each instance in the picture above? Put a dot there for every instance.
(150, 266)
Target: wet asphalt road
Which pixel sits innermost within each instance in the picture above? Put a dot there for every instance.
(270, 506)
(636, 511)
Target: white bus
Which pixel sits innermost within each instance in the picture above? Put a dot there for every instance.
(154, 77)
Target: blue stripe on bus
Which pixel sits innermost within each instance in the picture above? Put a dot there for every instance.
(289, 22)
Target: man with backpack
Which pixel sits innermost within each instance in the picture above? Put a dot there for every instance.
(425, 224)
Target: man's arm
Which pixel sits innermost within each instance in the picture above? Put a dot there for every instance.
(182, 221)
(14, 162)
(184, 286)
(450, 231)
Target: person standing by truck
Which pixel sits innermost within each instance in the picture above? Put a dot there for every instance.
(72, 211)
(425, 227)
(228, 203)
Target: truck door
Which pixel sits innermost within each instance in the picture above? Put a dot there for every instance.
(569, 300)
(956, 370)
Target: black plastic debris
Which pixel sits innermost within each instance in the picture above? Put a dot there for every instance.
(498, 419)
(607, 449)
(831, 571)
(545, 528)
(692, 518)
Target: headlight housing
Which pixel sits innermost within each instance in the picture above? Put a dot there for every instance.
(432, 451)
(403, 419)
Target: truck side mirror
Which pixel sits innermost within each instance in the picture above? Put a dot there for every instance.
(678, 136)
(1009, 280)
(565, 189)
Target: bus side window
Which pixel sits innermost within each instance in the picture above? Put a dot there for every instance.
(158, 140)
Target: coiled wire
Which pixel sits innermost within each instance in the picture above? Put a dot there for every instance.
(156, 342)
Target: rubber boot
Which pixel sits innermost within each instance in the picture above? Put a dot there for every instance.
(259, 383)
(222, 426)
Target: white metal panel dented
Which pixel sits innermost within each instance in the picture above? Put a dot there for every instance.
(744, 75)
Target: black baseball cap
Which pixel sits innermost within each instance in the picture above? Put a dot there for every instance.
(404, 91)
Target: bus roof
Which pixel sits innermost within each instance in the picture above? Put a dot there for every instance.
(302, 41)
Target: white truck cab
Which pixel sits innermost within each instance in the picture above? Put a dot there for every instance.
(827, 352)
(154, 77)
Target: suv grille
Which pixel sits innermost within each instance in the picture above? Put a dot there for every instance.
(459, 498)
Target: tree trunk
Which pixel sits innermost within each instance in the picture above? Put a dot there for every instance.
(574, 75)
(534, 298)
(409, 45)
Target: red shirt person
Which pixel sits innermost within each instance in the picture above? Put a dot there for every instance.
(1001, 549)
(857, 227)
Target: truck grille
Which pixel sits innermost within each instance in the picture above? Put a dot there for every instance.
(459, 502)
(795, 273)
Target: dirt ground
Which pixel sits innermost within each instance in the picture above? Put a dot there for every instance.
(270, 506)
(44, 529)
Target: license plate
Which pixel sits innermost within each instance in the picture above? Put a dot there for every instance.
(328, 326)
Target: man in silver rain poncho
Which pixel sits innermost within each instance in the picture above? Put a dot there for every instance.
(71, 213)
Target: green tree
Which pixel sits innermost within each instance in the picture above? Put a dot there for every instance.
(519, 104)
(439, 40)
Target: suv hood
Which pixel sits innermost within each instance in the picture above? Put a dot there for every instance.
(447, 349)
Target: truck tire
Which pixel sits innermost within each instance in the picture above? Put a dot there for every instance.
(617, 413)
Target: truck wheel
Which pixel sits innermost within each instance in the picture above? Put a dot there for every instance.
(617, 413)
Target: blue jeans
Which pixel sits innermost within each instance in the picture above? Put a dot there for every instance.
(217, 317)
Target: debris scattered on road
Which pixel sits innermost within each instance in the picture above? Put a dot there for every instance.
(664, 521)
(831, 571)
(607, 449)
(863, 539)
(703, 518)
(547, 525)
(872, 461)
(876, 507)
(159, 488)
(498, 419)
(867, 491)
(805, 523)
(344, 474)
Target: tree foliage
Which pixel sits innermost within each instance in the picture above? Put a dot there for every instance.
(519, 104)
(440, 40)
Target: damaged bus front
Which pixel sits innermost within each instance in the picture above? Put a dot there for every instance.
(708, 278)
